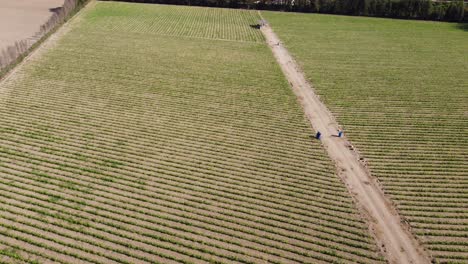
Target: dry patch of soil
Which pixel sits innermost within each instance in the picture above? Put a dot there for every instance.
(21, 19)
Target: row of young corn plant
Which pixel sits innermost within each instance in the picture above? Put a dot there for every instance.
(100, 209)
(401, 97)
(208, 23)
(194, 204)
(193, 150)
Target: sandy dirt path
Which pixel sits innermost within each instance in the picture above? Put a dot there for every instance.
(21, 19)
(396, 241)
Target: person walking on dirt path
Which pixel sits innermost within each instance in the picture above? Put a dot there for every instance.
(318, 135)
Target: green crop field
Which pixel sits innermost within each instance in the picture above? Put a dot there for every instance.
(182, 21)
(400, 89)
(132, 142)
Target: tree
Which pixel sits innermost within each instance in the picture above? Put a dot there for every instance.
(372, 10)
(455, 11)
(316, 6)
(363, 7)
(425, 9)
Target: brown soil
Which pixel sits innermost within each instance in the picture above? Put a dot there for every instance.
(21, 19)
(396, 241)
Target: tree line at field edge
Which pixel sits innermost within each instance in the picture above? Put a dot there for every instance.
(453, 11)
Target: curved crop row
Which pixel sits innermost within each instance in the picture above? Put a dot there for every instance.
(142, 138)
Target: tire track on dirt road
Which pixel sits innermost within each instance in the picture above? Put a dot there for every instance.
(395, 240)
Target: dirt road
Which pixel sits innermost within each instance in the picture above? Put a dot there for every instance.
(21, 19)
(397, 243)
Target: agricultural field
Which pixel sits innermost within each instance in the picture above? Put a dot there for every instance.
(400, 90)
(125, 141)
